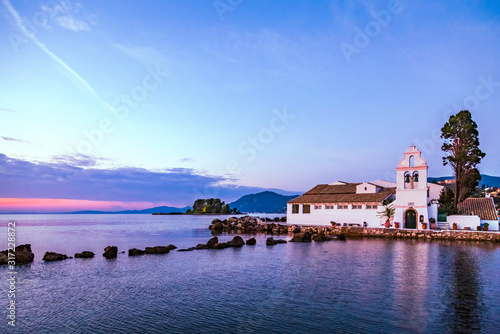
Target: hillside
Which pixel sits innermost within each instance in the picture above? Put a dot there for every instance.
(263, 202)
(491, 181)
(165, 209)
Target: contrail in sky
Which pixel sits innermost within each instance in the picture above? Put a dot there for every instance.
(31, 36)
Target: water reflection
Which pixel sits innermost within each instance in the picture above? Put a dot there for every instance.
(466, 300)
(411, 278)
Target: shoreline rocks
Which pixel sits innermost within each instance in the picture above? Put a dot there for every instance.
(248, 224)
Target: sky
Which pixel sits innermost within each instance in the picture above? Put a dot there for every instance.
(134, 104)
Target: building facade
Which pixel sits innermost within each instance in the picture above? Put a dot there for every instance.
(359, 204)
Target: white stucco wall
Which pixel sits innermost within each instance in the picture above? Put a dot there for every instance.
(324, 217)
(464, 221)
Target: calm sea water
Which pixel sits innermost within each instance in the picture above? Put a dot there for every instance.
(357, 286)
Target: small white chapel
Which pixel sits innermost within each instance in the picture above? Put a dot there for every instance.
(358, 204)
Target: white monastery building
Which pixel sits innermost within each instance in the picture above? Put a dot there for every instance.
(358, 204)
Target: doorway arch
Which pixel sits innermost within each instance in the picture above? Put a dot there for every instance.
(411, 218)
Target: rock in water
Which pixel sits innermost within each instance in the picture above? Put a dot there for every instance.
(135, 252)
(251, 241)
(212, 242)
(157, 250)
(171, 247)
(186, 249)
(217, 226)
(3, 259)
(236, 242)
(51, 256)
(270, 241)
(110, 252)
(301, 237)
(23, 255)
(85, 255)
(318, 237)
(201, 246)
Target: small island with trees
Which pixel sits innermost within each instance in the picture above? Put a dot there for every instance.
(205, 207)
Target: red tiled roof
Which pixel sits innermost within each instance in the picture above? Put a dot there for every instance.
(482, 207)
(324, 193)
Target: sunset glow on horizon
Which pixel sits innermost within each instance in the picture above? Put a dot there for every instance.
(45, 205)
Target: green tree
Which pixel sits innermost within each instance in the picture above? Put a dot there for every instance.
(461, 144)
(447, 202)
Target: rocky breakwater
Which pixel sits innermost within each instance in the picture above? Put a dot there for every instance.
(21, 255)
(151, 250)
(249, 224)
(214, 243)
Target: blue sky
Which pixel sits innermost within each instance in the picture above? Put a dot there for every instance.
(258, 94)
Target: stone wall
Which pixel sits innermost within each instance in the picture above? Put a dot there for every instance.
(392, 233)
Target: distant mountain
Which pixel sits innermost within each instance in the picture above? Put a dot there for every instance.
(491, 181)
(165, 209)
(264, 202)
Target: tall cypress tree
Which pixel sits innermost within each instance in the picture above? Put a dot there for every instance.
(461, 144)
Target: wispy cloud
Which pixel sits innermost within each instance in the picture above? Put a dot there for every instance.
(61, 180)
(142, 54)
(71, 23)
(15, 140)
(187, 160)
(20, 24)
(8, 110)
(64, 13)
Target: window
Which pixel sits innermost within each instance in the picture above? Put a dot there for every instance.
(306, 208)
(412, 161)
(371, 206)
(317, 207)
(357, 206)
(329, 207)
(342, 207)
(295, 208)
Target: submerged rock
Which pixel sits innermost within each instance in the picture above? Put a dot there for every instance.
(110, 252)
(51, 256)
(186, 249)
(22, 255)
(85, 255)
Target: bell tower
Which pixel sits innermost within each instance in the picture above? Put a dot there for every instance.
(412, 170)
(412, 191)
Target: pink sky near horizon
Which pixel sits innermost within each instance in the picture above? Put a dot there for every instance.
(67, 205)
